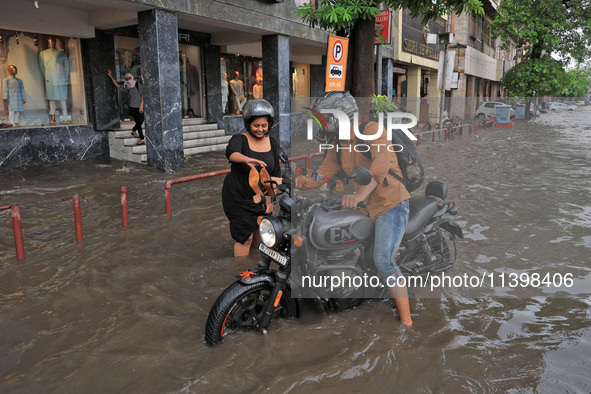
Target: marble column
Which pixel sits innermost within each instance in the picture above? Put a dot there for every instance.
(387, 77)
(276, 80)
(213, 82)
(98, 57)
(159, 51)
(318, 78)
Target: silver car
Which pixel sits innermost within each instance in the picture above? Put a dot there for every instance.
(489, 108)
(556, 106)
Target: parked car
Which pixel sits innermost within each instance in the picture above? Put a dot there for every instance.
(556, 106)
(489, 108)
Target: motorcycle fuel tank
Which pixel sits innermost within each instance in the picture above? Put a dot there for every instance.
(335, 229)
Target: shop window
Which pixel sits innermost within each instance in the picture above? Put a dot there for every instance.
(242, 80)
(42, 80)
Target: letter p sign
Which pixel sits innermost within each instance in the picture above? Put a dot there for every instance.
(337, 51)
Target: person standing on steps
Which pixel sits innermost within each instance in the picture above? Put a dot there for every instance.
(135, 93)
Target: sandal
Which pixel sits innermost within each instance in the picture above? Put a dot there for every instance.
(266, 182)
(141, 142)
(135, 134)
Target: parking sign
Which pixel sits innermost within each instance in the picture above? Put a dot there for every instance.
(336, 66)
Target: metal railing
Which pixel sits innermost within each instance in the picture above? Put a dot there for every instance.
(168, 184)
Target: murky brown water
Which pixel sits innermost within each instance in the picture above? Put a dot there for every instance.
(125, 310)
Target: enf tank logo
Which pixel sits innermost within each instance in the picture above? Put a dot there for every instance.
(338, 120)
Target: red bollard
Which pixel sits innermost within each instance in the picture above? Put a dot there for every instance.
(18, 232)
(124, 206)
(78, 218)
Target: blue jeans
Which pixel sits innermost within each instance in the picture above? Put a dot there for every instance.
(389, 230)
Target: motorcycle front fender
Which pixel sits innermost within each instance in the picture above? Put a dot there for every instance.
(250, 277)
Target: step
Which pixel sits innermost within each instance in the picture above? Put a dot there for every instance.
(143, 157)
(210, 131)
(191, 135)
(206, 141)
(204, 149)
(217, 141)
(199, 127)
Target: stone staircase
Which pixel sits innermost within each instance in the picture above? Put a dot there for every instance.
(198, 137)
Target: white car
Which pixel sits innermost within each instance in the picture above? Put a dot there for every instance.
(489, 108)
(556, 106)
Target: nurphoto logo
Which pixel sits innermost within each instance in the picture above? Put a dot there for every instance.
(338, 120)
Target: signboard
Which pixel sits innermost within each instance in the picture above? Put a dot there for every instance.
(449, 68)
(415, 35)
(336, 65)
(383, 26)
(455, 80)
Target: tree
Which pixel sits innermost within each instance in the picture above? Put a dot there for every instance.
(577, 84)
(356, 19)
(542, 77)
(543, 28)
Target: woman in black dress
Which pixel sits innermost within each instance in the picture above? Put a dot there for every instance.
(251, 149)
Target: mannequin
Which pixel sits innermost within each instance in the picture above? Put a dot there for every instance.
(14, 95)
(257, 89)
(224, 91)
(237, 91)
(55, 68)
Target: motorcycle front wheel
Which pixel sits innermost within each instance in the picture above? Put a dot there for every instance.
(240, 308)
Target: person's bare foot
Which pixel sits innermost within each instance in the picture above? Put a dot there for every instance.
(135, 134)
(141, 142)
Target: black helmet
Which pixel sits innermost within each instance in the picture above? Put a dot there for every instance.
(337, 99)
(257, 108)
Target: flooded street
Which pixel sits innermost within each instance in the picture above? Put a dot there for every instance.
(125, 310)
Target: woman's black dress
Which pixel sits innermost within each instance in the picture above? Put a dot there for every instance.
(237, 194)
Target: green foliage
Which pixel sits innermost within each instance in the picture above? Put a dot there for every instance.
(544, 76)
(562, 27)
(382, 103)
(341, 15)
(577, 84)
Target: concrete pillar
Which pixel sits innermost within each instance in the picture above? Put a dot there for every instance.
(413, 89)
(276, 83)
(213, 82)
(387, 77)
(159, 51)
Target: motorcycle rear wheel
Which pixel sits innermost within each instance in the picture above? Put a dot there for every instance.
(240, 307)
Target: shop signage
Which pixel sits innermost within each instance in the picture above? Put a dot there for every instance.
(383, 27)
(414, 36)
(336, 66)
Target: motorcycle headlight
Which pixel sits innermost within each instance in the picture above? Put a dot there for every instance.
(271, 231)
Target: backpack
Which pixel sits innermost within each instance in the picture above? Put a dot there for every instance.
(409, 162)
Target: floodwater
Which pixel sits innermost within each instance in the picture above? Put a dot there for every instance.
(125, 310)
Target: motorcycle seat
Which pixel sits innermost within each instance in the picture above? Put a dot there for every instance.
(421, 210)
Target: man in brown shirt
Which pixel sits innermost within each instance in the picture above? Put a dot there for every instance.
(387, 197)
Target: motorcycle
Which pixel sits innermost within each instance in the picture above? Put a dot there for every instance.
(320, 238)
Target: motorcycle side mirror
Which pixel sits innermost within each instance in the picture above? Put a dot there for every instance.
(283, 155)
(360, 175)
(284, 158)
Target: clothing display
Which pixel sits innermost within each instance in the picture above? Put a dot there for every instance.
(237, 194)
(192, 79)
(55, 68)
(14, 92)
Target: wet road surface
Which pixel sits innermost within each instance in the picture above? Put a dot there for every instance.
(125, 310)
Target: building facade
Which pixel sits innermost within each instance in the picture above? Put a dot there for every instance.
(195, 59)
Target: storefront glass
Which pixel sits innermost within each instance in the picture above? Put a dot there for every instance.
(242, 80)
(42, 80)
